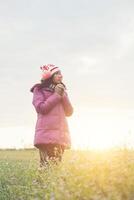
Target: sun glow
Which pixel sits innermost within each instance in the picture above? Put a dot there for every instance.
(101, 129)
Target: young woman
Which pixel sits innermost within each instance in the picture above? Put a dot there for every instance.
(52, 105)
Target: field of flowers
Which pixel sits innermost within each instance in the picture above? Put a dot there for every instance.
(82, 175)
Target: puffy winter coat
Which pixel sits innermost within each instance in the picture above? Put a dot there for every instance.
(52, 109)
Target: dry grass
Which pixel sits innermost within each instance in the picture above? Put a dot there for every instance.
(82, 175)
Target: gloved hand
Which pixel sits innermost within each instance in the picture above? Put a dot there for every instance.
(59, 88)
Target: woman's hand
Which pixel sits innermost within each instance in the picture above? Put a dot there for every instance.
(59, 88)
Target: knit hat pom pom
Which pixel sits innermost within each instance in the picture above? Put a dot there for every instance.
(46, 75)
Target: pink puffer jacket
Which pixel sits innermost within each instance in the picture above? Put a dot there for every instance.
(52, 109)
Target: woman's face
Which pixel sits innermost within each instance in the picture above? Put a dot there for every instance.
(57, 77)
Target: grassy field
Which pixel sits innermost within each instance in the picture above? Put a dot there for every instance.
(82, 175)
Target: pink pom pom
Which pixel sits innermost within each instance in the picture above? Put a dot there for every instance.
(46, 75)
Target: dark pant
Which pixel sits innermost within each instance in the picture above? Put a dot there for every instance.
(49, 152)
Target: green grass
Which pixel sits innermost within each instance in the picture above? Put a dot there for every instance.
(82, 175)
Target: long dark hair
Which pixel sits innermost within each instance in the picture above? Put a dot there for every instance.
(46, 83)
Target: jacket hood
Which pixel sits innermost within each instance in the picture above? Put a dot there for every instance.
(34, 86)
(38, 85)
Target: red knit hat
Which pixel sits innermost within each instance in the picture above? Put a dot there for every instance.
(48, 70)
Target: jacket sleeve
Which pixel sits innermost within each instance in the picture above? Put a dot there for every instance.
(67, 105)
(44, 106)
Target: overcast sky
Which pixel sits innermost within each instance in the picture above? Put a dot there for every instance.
(91, 41)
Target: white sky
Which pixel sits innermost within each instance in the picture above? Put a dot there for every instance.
(93, 44)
